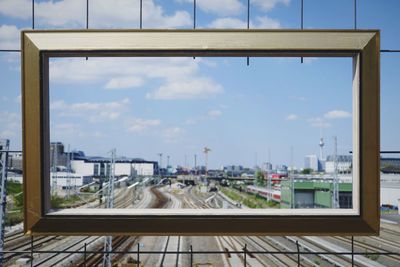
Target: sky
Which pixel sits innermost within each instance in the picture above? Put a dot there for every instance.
(275, 109)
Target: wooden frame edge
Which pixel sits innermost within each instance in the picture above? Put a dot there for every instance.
(36, 221)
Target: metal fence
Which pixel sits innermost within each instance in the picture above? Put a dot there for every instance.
(245, 252)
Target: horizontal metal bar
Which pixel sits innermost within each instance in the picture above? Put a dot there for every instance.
(382, 51)
(201, 252)
(390, 51)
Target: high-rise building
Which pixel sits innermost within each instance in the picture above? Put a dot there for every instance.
(311, 162)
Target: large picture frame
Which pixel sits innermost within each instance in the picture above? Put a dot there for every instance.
(363, 46)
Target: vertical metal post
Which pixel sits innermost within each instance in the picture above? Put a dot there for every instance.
(4, 147)
(302, 20)
(355, 14)
(33, 14)
(87, 17)
(298, 252)
(194, 14)
(191, 256)
(194, 17)
(248, 24)
(138, 255)
(31, 250)
(245, 255)
(352, 251)
(109, 204)
(141, 15)
(84, 254)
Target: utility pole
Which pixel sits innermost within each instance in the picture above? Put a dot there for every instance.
(335, 195)
(206, 151)
(167, 164)
(4, 147)
(159, 167)
(107, 257)
(54, 169)
(186, 167)
(293, 204)
(68, 173)
(195, 164)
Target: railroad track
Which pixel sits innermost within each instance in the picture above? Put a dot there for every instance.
(359, 245)
(20, 242)
(118, 241)
(26, 246)
(76, 246)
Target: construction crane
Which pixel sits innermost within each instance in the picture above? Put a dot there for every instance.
(109, 204)
(206, 151)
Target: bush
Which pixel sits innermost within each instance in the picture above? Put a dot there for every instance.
(13, 187)
(13, 218)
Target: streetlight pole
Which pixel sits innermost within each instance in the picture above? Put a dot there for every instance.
(160, 167)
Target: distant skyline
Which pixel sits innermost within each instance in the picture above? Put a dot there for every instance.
(169, 105)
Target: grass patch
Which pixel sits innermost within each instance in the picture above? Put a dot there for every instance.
(249, 200)
(13, 187)
(58, 202)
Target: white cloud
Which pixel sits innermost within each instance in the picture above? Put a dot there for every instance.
(139, 125)
(102, 13)
(9, 37)
(214, 113)
(20, 9)
(200, 87)
(219, 7)
(91, 111)
(264, 22)
(319, 123)
(292, 117)
(267, 5)
(172, 135)
(124, 82)
(228, 23)
(180, 77)
(337, 114)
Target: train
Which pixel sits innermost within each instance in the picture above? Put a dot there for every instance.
(272, 194)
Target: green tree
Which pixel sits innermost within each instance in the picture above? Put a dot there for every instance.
(260, 178)
(307, 171)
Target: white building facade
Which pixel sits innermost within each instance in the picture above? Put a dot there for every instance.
(344, 164)
(311, 162)
(98, 167)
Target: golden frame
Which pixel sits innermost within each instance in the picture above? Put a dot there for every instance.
(361, 45)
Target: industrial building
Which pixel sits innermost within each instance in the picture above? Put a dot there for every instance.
(100, 167)
(314, 194)
(344, 163)
(68, 180)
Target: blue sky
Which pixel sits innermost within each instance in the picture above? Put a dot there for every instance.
(178, 106)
